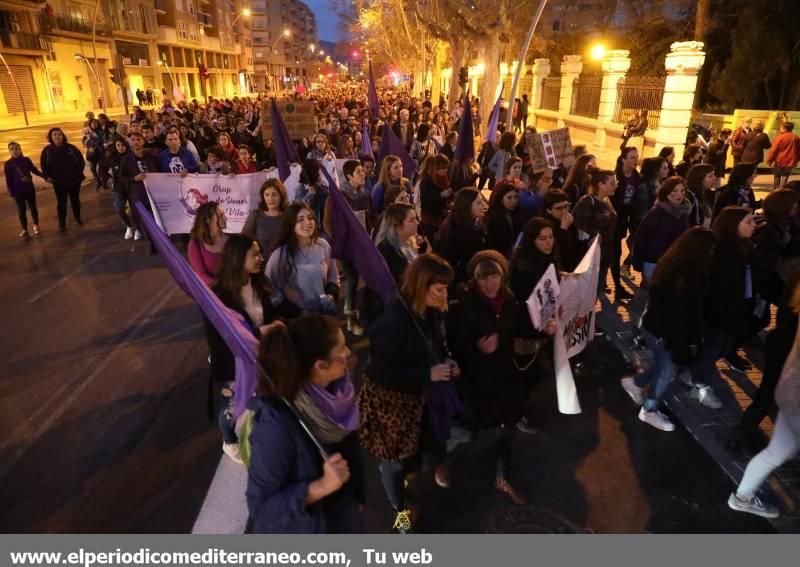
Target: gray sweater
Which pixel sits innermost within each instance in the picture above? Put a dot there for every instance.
(313, 269)
(263, 228)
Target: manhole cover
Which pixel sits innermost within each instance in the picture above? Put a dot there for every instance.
(529, 520)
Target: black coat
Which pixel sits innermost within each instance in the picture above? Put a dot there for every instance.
(502, 229)
(728, 195)
(458, 245)
(492, 387)
(726, 307)
(63, 164)
(675, 313)
(769, 244)
(569, 249)
(525, 274)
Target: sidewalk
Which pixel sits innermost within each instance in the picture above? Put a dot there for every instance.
(17, 121)
(711, 427)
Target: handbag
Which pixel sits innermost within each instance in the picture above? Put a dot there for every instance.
(390, 422)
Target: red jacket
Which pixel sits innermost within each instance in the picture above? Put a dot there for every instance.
(240, 167)
(785, 151)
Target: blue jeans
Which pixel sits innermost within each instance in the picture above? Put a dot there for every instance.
(120, 201)
(658, 376)
(716, 344)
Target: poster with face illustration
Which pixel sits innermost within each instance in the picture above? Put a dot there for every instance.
(543, 301)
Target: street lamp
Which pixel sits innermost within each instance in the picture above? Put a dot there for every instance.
(163, 62)
(598, 52)
(81, 57)
(94, 53)
(286, 33)
(246, 13)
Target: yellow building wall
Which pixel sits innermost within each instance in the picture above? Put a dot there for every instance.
(73, 81)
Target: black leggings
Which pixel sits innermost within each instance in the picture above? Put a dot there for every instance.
(24, 202)
(73, 193)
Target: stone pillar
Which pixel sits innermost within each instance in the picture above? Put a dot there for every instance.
(615, 65)
(683, 63)
(571, 67)
(540, 70)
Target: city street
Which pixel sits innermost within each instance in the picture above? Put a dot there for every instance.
(105, 427)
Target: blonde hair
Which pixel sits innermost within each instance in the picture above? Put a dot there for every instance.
(385, 177)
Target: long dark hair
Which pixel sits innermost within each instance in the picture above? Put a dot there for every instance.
(726, 228)
(650, 168)
(527, 252)
(50, 135)
(622, 156)
(231, 277)
(287, 238)
(201, 229)
(461, 217)
(694, 179)
(740, 173)
(688, 256)
(577, 174)
(288, 353)
(309, 173)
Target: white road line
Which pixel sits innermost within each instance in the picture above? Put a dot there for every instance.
(55, 414)
(64, 280)
(224, 509)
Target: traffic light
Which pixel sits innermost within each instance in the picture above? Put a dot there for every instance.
(463, 76)
(117, 76)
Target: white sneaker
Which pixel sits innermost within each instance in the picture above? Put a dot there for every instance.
(635, 392)
(705, 395)
(656, 419)
(137, 235)
(233, 452)
(128, 233)
(752, 506)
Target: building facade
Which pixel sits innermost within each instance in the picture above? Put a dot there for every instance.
(283, 61)
(57, 66)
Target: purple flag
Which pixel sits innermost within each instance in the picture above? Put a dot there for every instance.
(285, 152)
(372, 94)
(229, 324)
(465, 147)
(391, 145)
(350, 241)
(366, 143)
(494, 117)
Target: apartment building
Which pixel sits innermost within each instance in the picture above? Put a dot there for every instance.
(282, 60)
(57, 66)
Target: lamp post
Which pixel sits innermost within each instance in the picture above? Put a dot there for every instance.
(246, 13)
(94, 54)
(286, 33)
(171, 76)
(81, 57)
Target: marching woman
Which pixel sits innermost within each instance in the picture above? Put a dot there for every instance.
(594, 215)
(661, 226)
(512, 175)
(264, 223)
(397, 238)
(673, 319)
(785, 440)
(119, 185)
(312, 190)
(62, 165)
(407, 397)
(730, 299)
(577, 181)
(19, 172)
(391, 174)
(535, 253)
(739, 190)
(503, 221)
(556, 211)
(241, 286)
(434, 192)
(700, 185)
(483, 330)
(207, 241)
(505, 151)
(290, 487)
(628, 180)
(654, 171)
(231, 154)
(463, 233)
(301, 268)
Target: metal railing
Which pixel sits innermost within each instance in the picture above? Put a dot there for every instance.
(635, 93)
(551, 92)
(586, 95)
(70, 24)
(22, 40)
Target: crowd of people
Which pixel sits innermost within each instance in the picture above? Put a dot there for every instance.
(466, 239)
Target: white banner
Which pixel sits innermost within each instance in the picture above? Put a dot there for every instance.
(543, 302)
(175, 199)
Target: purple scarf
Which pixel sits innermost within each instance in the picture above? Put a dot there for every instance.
(337, 402)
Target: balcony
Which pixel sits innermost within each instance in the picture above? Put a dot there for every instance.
(126, 24)
(161, 6)
(60, 22)
(167, 34)
(204, 19)
(22, 40)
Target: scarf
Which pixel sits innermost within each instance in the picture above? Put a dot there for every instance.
(496, 303)
(676, 211)
(331, 412)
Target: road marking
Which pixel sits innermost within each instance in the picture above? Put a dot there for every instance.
(64, 280)
(224, 509)
(147, 312)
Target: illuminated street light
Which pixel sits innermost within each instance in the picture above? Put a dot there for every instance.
(598, 52)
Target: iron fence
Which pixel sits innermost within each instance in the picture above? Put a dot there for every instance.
(586, 96)
(22, 40)
(551, 92)
(71, 24)
(636, 93)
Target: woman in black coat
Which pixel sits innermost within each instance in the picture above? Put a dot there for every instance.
(482, 327)
(739, 190)
(434, 193)
(463, 234)
(555, 210)
(62, 164)
(503, 221)
(674, 320)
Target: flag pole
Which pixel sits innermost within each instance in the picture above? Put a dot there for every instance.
(523, 53)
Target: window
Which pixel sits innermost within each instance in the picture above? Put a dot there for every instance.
(193, 32)
(190, 7)
(556, 25)
(182, 29)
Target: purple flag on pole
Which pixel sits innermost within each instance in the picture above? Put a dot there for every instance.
(229, 324)
(372, 94)
(350, 241)
(391, 145)
(285, 152)
(494, 117)
(366, 143)
(465, 147)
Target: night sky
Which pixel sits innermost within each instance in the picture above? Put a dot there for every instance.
(327, 20)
